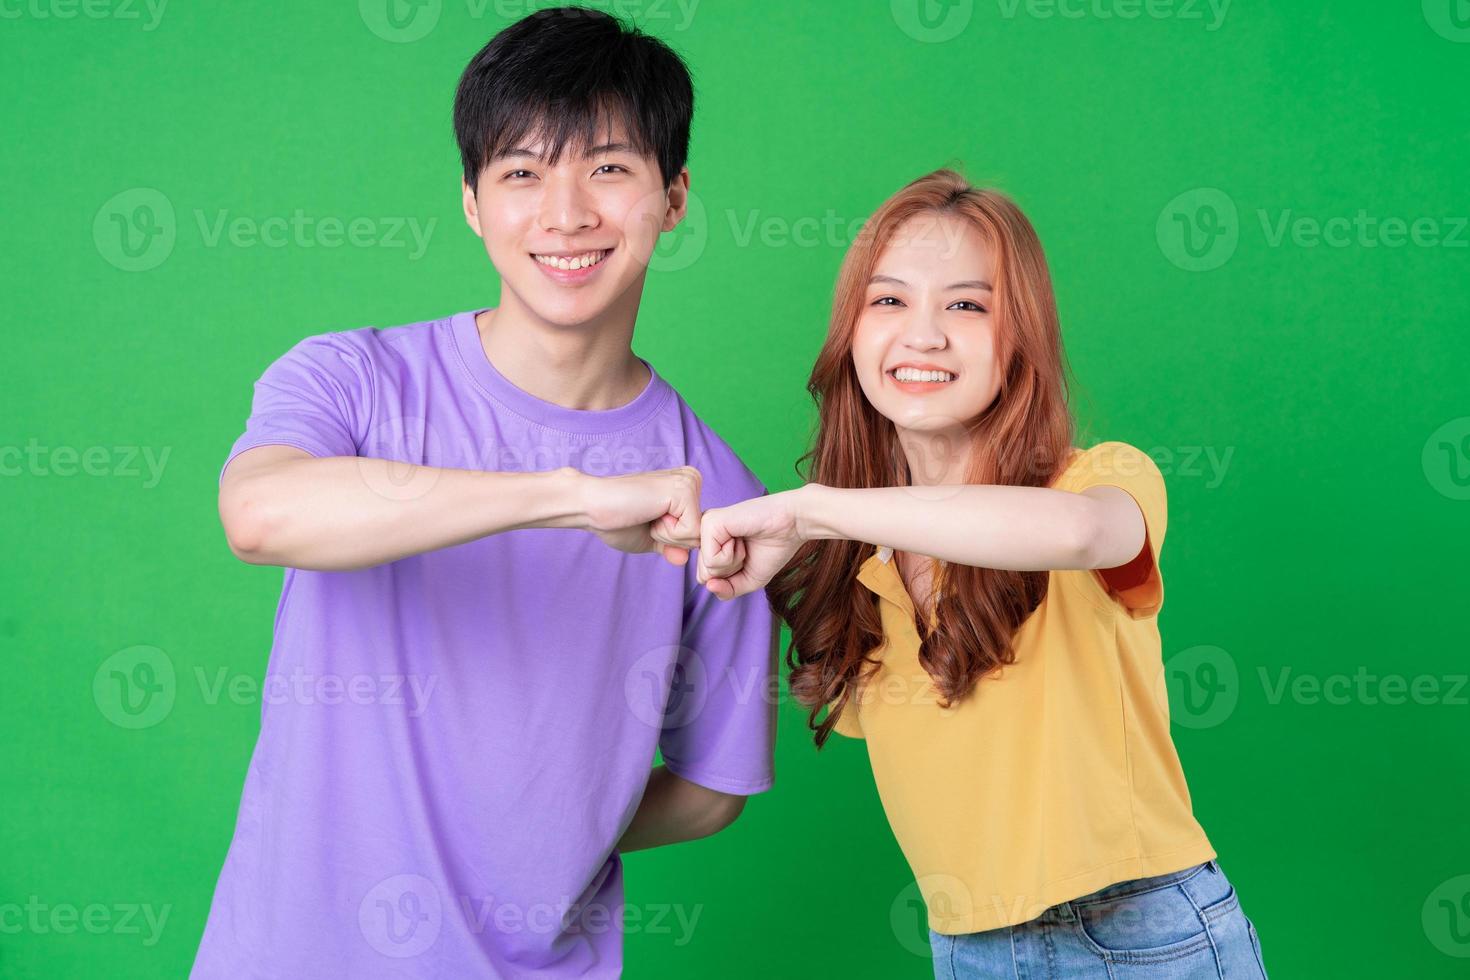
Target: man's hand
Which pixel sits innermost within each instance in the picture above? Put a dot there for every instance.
(744, 545)
(653, 511)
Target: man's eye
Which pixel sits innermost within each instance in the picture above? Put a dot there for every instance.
(887, 301)
(519, 173)
(610, 166)
(968, 305)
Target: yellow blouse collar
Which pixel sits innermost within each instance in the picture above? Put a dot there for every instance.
(880, 574)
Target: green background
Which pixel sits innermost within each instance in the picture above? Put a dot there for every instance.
(1329, 378)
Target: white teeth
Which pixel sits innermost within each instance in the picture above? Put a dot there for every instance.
(914, 374)
(575, 262)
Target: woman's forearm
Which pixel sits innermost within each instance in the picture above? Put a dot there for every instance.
(1015, 528)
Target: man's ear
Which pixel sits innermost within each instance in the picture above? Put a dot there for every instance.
(678, 200)
(471, 207)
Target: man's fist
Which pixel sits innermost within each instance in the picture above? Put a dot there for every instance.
(653, 511)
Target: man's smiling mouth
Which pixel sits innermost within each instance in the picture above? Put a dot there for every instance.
(571, 262)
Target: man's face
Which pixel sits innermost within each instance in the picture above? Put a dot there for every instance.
(570, 240)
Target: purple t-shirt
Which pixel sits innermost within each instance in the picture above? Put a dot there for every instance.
(452, 744)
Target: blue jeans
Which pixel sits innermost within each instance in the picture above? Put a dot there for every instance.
(1179, 926)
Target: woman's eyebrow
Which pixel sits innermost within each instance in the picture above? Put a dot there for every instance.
(967, 284)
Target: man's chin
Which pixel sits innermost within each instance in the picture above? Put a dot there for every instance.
(575, 309)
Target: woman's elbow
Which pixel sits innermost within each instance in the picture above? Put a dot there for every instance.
(1100, 538)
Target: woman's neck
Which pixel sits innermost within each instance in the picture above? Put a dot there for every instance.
(938, 457)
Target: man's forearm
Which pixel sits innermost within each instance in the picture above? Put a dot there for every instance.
(342, 512)
(674, 810)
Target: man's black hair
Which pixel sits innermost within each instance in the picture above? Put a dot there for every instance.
(564, 75)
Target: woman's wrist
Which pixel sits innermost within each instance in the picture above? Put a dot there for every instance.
(813, 511)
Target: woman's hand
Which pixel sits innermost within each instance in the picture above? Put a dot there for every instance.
(743, 546)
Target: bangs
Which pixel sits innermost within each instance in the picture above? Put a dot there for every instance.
(559, 127)
(563, 81)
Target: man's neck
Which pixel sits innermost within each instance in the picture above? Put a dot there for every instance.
(590, 366)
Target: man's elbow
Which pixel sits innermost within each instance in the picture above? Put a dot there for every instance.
(246, 524)
(722, 812)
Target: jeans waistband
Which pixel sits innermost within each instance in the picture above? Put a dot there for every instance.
(1066, 911)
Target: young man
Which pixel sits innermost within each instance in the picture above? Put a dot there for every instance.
(489, 620)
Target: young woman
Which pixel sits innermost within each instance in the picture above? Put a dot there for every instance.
(978, 599)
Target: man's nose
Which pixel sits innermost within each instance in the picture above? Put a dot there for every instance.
(566, 208)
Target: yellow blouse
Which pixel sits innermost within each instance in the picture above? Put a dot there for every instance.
(1057, 775)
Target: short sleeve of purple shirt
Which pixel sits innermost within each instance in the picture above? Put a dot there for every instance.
(314, 397)
(452, 744)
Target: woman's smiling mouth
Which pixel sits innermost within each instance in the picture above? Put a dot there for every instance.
(917, 380)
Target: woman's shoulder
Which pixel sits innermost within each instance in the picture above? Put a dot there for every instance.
(1106, 462)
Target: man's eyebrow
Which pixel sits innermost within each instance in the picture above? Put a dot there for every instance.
(521, 151)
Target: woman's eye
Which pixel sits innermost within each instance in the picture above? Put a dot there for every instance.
(887, 301)
(968, 306)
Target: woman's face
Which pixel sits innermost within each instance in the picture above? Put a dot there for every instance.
(925, 343)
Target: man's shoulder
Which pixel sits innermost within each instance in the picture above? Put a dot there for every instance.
(726, 479)
(369, 346)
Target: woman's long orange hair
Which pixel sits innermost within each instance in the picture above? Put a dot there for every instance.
(1022, 439)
